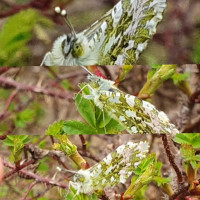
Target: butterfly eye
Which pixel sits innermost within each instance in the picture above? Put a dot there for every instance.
(79, 178)
(67, 45)
(77, 50)
(63, 44)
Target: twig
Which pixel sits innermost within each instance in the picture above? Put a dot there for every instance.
(10, 98)
(29, 189)
(83, 141)
(7, 82)
(182, 190)
(16, 169)
(37, 177)
(171, 158)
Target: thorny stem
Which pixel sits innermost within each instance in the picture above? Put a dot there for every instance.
(16, 169)
(8, 82)
(37, 177)
(10, 98)
(171, 158)
(29, 189)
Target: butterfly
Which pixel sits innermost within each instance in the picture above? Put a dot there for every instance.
(134, 114)
(115, 168)
(117, 38)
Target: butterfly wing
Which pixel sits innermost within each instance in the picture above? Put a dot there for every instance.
(115, 168)
(136, 115)
(123, 32)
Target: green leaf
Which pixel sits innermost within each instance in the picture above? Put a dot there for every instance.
(15, 35)
(162, 180)
(4, 189)
(177, 77)
(9, 141)
(86, 109)
(42, 144)
(103, 118)
(43, 198)
(55, 129)
(113, 127)
(196, 52)
(43, 167)
(24, 117)
(190, 139)
(77, 127)
(66, 84)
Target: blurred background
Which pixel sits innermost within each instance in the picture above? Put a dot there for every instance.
(29, 28)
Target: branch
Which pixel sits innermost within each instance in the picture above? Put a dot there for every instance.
(171, 158)
(37, 177)
(10, 98)
(29, 189)
(16, 169)
(8, 82)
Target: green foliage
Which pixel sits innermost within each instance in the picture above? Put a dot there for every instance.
(77, 127)
(3, 190)
(154, 69)
(178, 77)
(26, 116)
(15, 35)
(196, 50)
(149, 170)
(74, 196)
(190, 139)
(156, 174)
(55, 129)
(16, 143)
(4, 93)
(65, 145)
(189, 144)
(43, 166)
(67, 85)
(98, 122)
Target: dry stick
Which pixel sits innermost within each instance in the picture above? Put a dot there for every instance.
(171, 158)
(37, 177)
(29, 189)
(7, 82)
(10, 98)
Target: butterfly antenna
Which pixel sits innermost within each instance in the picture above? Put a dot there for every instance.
(86, 70)
(63, 13)
(66, 170)
(104, 121)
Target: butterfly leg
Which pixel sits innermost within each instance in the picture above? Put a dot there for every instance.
(47, 59)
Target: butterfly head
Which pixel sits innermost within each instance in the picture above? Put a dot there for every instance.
(100, 83)
(82, 182)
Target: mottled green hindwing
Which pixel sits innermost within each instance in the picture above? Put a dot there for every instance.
(134, 114)
(117, 38)
(115, 168)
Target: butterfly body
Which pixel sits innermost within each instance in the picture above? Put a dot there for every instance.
(136, 115)
(117, 38)
(115, 168)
